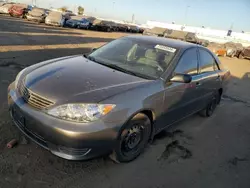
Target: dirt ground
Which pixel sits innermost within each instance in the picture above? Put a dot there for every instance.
(198, 152)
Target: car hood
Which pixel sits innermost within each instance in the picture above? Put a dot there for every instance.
(77, 79)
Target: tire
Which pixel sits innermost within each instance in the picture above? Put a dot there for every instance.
(211, 106)
(133, 139)
(241, 56)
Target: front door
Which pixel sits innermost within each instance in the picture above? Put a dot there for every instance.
(182, 99)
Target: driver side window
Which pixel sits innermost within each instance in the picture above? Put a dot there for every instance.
(188, 64)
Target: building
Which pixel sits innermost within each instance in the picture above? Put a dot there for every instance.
(213, 35)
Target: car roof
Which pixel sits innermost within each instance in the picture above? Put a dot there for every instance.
(178, 44)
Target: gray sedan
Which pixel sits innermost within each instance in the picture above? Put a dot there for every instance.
(114, 100)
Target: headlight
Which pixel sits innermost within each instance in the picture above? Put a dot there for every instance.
(18, 77)
(81, 112)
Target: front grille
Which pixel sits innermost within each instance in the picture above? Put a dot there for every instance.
(74, 151)
(34, 99)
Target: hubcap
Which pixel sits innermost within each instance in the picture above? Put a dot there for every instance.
(133, 137)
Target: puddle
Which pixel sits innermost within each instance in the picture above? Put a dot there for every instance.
(174, 152)
(13, 65)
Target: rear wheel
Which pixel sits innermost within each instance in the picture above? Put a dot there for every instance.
(133, 139)
(241, 56)
(211, 106)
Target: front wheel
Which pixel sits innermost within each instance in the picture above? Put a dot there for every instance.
(133, 139)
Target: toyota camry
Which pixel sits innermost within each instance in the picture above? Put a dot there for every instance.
(115, 99)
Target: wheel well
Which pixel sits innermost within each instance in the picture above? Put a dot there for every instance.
(149, 113)
(220, 91)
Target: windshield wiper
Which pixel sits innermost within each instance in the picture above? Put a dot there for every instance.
(127, 71)
(115, 67)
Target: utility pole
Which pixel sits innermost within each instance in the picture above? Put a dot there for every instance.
(133, 18)
(232, 25)
(186, 14)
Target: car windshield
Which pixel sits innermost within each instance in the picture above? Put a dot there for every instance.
(137, 57)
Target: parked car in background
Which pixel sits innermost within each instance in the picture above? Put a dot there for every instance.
(141, 30)
(37, 15)
(140, 85)
(80, 24)
(4, 9)
(233, 49)
(245, 53)
(217, 49)
(175, 34)
(55, 18)
(121, 27)
(72, 23)
(102, 25)
(156, 31)
(20, 10)
(192, 37)
(133, 29)
(204, 42)
(67, 15)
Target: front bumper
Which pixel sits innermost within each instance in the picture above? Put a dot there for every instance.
(52, 23)
(69, 140)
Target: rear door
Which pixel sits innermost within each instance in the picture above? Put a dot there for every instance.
(209, 71)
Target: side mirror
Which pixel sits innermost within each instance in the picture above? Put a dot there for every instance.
(181, 78)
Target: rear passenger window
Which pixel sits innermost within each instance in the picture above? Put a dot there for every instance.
(188, 64)
(207, 62)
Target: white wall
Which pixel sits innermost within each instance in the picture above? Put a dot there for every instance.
(212, 35)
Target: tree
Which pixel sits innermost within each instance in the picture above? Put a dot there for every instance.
(80, 10)
(64, 9)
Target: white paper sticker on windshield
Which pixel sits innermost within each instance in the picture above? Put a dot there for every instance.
(165, 48)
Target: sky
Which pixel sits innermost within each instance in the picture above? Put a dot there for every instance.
(217, 14)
